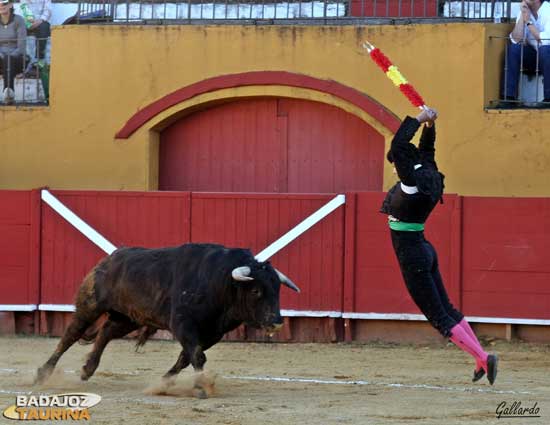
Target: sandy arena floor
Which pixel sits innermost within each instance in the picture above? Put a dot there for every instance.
(287, 384)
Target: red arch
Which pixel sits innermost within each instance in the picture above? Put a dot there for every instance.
(362, 101)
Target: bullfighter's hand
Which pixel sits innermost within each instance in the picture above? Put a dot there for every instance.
(428, 116)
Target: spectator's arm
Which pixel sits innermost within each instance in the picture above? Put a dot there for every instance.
(517, 34)
(21, 36)
(46, 11)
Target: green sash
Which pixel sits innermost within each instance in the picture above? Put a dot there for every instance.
(403, 226)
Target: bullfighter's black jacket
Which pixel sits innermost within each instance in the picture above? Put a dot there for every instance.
(421, 187)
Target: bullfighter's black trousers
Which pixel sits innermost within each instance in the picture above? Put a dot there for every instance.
(420, 269)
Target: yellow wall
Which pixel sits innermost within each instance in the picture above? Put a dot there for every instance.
(101, 75)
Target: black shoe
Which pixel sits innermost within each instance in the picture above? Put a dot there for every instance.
(492, 361)
(478, 374)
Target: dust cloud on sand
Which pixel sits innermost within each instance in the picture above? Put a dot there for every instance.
(200, 385)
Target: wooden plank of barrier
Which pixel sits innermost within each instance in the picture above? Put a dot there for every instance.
(303, 226)
(349, 259)
(77, 222)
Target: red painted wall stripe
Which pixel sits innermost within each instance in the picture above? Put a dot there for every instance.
(361, 100)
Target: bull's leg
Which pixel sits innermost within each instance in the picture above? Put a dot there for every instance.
(117, 326)
(192, 353)
(73, 333)
(182, 362)
(87, 312)
(198, 359)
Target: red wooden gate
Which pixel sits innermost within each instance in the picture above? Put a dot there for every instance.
(271, 145)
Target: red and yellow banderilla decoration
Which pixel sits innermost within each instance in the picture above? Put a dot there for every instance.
(394, 75)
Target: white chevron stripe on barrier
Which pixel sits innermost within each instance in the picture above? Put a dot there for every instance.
(77, 222)
(301, 228)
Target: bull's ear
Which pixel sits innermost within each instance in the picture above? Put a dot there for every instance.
(242, 274)
(286, 281)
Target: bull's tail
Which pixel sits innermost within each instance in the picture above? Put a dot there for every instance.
(87, 308)
(143, 335)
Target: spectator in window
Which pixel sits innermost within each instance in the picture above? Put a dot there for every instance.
(13, 38)
(530, 36)
(38, 16)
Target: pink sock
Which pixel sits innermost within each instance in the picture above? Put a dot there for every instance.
(460, 338)
(466, 326)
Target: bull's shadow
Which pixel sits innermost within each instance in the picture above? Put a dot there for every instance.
(199, 292)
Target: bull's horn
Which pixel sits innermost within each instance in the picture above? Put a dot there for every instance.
(286, 281)
(241, 274)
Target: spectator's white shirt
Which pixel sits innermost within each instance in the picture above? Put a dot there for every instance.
(41, 9)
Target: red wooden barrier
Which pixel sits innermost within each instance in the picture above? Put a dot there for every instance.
(507, 257)
(19, 249)
(379, 286)
(314, 260)
(150, 219)
(494, 252)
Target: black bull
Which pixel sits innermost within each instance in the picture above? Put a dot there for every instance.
(197, 291)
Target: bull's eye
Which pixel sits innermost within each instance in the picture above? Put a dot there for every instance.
(257, 292)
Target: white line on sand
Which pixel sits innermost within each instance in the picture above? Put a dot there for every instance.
(373, 383)
(319, 381)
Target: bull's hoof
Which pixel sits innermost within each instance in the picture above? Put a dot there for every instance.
(42, 374)
(200, 392)
(204, 384)
(168, 381)
(85, 374)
